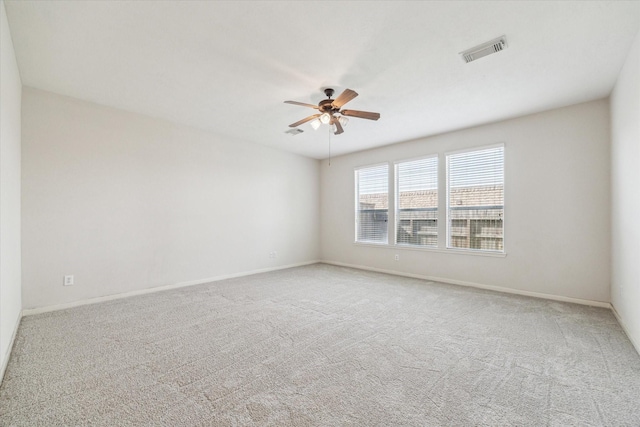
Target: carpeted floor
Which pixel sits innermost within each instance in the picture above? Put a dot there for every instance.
(322, 346)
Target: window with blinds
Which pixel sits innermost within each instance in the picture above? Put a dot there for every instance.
(417, 202)
(475, 186)
(372, 204)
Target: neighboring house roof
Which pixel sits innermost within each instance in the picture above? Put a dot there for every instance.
(460, 197)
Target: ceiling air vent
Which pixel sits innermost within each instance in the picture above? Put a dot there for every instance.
(492, 46)
(294, 131)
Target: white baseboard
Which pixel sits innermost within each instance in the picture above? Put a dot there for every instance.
(476, 285)
(635, 344)
(7, 356)
(38, 310)
(46, 309)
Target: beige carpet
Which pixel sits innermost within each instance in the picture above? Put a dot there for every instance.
(326, 346)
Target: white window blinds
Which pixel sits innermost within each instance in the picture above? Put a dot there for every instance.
(417, 202)
(372, 203)
(475, 185)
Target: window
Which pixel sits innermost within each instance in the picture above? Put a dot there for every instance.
(372, 204)
(475, 185)
(417, 202)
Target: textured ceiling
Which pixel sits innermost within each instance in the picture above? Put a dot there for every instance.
(228, 66)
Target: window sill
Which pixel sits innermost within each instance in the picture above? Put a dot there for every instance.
(433, 249)
(377, 244)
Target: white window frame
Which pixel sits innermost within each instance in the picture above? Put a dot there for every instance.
(448, 200)
(357, 204)
(396, 201)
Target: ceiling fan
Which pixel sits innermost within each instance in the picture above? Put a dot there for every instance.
(329, 111)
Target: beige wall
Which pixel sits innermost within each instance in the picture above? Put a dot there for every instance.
(125, 202)
(625, 186)
(10, 281)
(557, 215)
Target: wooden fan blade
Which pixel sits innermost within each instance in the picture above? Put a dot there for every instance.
(305, 120)
(361, 114)
(301, 103)
(339, 129)
(343, 98)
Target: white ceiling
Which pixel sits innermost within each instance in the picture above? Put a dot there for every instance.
(228, 66)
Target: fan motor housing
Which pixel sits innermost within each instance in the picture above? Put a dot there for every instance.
(325, 105)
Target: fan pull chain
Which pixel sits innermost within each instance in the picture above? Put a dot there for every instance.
(329, 146)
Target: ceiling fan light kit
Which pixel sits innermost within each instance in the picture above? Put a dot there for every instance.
(315, 124)
(330, 112)
(325, 118)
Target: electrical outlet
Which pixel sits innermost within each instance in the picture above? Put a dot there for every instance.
(68, 280)
(397, 257)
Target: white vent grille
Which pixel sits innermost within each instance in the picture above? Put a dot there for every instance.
(480, 51)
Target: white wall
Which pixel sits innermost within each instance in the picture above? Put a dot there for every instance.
(625, 190)
(126, 202)
(557, 216)
(10, 282)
